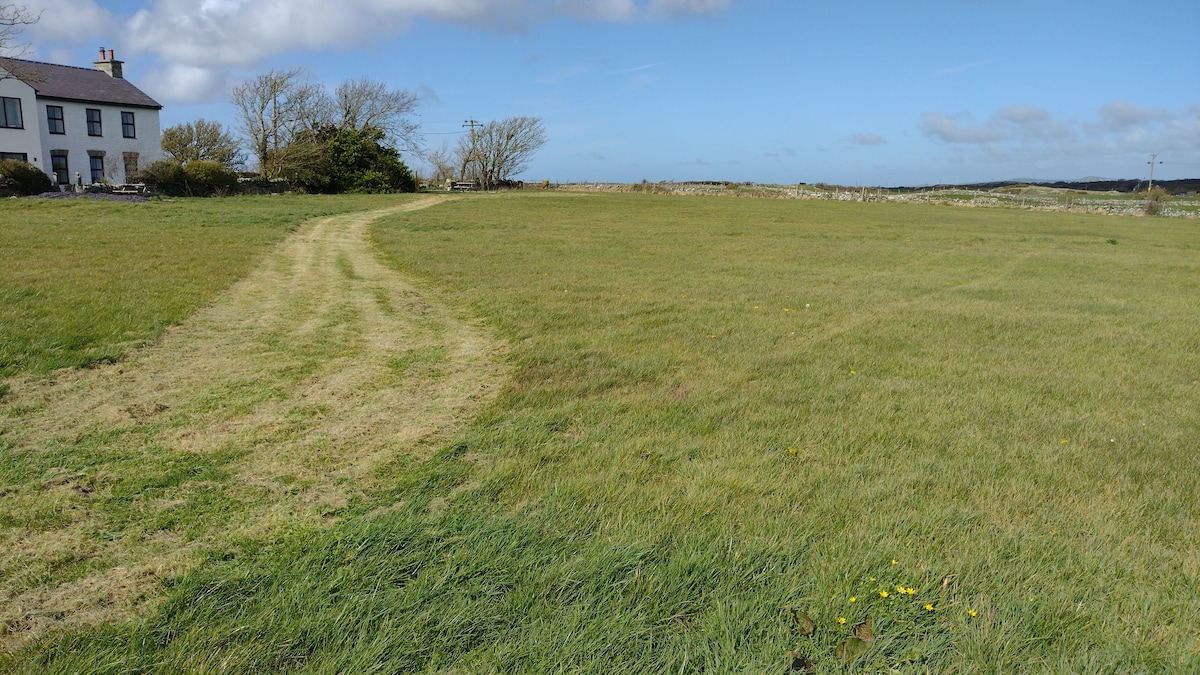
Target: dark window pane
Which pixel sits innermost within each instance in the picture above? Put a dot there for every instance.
(93, 122)
(10, 113)
(58, 161)
(128, 129)
(54, 119)
(97, 166)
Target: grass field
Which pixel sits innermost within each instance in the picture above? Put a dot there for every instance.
(976, 428)
(82, 281)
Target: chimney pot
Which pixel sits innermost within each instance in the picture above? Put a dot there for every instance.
(109, 64)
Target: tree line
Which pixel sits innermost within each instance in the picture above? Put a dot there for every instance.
(349, 139)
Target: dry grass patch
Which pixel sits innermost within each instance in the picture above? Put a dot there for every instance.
(268, 410)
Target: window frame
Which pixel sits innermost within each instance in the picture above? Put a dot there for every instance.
(19, 156)
(63, 178)
(95, 127)
(4, 121)
(96, 166)
(61, 120)
(128, 124)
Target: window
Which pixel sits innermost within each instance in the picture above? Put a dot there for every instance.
(128, 129)
(54, 119)
(93, 120)
(96, 163)
(19, 156)
(58, 162)
(10, 113)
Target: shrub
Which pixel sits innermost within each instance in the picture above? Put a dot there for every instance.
(1154, 201)
(352, 160)
(166, 177)
(206, 178)
(24, 178)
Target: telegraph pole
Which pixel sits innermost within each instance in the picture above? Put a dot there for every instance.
(1152, 163)
(469, 122)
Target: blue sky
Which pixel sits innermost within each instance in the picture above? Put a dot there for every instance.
(857, 93)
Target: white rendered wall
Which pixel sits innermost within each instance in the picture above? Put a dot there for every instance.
(27, 140)
(113, 144)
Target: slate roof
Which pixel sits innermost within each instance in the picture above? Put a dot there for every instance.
(71, 83)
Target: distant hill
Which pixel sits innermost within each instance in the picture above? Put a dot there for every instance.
(1045, 181)
(1174, 187)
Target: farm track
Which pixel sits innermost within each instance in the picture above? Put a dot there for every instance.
(271, 409)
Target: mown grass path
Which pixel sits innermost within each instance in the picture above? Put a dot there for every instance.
(268, 410)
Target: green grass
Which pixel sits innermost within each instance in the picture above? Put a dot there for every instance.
(82, 281)
(724, 408)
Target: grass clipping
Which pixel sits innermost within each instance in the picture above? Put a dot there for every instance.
(268, 410)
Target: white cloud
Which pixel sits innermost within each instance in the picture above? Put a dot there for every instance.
(204, 41)
(1120, 128)
(1013, 122)
(1023, 114)
(67, 20)
(677, 7)
(242, 33)
(1120, 116)
(186, 84)
(867, 139)
(949, 129)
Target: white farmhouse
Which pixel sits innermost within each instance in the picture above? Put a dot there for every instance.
(79, 125)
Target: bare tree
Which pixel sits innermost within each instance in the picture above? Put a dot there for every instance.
(276, 108)
(202, 140)
(498, 150)
(13, 19)
(441, 161)
(282, 113)
(366, 103)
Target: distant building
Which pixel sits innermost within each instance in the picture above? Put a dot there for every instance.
(68, 120)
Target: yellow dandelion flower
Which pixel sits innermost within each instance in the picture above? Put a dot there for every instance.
(894, 562)
(870, 578)
(1064, 441)
(841, 619)
(756, 307)
(853, 599)
(786, 309)
(883, 594)
(928, 608)
(900, 589)
(792, 451)
(854, 372)
(972, 612)
(911, 591)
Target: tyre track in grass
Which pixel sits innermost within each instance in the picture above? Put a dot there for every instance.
(268, 410)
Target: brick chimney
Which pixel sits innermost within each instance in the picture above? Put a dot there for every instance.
(111, 66)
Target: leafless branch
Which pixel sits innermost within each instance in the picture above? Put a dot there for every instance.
(499, 150)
